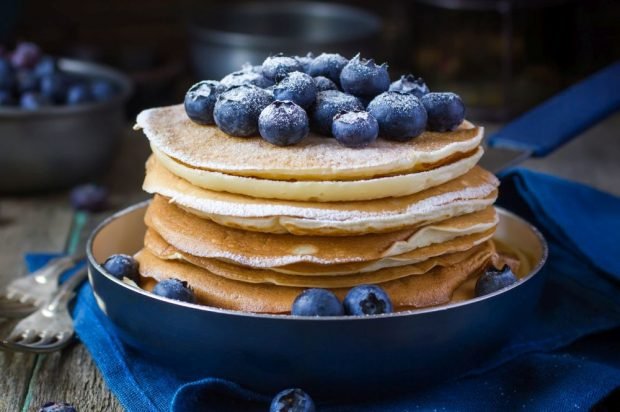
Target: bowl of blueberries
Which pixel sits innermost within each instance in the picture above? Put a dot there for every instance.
(60, 119)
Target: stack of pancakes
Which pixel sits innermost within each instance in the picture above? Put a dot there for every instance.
(250, 225)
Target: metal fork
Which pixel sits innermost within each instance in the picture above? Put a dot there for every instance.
(50, 328)
(25, 294)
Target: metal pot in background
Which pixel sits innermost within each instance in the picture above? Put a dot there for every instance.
(222, 39)
(57, 147)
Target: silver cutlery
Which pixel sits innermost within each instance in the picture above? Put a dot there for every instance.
(25, 294)
(51, 327)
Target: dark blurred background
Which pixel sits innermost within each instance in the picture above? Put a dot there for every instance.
(501, 56)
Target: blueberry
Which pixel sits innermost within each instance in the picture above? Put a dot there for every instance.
(45, 66)
(7, 74)
(102, 90)
(25, 56)
(54, 87)
(329, 65)
(367, 300)
(317, 302)
(297, 87)
(89, 197)
(200, 101)
(283, 123)
(305, 61)
(245, 76)
(409, 84)
(361, 77)
(79, 93)
(236, 110)
(292, 400)
(323, 83)
(57, 407)
(27, 81)
(33, 101)
(6, 98)
(276, 67)
(493, 280)
(355, 129)
(122, 266)
(248, 67)
(328, 104)
(446, 111)
(401, 116)
(175, 289)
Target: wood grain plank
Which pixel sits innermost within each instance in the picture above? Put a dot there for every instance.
(26, 224)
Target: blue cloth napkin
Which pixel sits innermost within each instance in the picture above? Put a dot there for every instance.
(567, 357)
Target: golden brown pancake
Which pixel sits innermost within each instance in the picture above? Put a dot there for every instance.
(471, 192)
(314, 158)
(433, 288)
(158, 247)
(377, 269)
(201, 237)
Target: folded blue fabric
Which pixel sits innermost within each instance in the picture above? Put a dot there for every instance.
(566, 358)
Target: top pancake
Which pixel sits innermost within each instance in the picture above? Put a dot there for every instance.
(314, 158)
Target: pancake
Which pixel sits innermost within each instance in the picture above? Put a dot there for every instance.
(321, 190)
(158, 247)
(475, 190)
(433, 288)
(201, 237)
(315, 158)
(282, 275)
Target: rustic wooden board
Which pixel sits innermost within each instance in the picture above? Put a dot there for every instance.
(26, 224)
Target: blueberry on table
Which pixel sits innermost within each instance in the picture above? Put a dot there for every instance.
(245, 76)
(174, 289)
(236, 110)
(327, 105)
(33, 101)
(401, 116)
(57, 407)
(446, 111)
(292, 400)
(317, 302)
(355, 129)
(102, 90)
(362, 77)
(305, 61)
(200, 101)
(329, 65)
(283, 123)
(89, 197)
(278, 66)
(493, 280)
(25, 56)
(323, 83)
(79, 93)
(6, 98)
(410, 84)
(367, 300)
(122, 266)
(297, 87)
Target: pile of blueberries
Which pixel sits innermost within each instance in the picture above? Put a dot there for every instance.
(31, 80)
(351, 100)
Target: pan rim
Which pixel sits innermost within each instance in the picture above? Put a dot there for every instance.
(286, 317)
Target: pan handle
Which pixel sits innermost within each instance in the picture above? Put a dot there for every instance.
(564, 116)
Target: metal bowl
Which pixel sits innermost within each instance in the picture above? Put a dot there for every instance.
(58, 146)
(223, 39)
(330, 357)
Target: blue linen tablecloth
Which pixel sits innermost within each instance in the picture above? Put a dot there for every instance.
(566, 358)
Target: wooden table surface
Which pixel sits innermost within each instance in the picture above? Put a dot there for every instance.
(44, 223)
